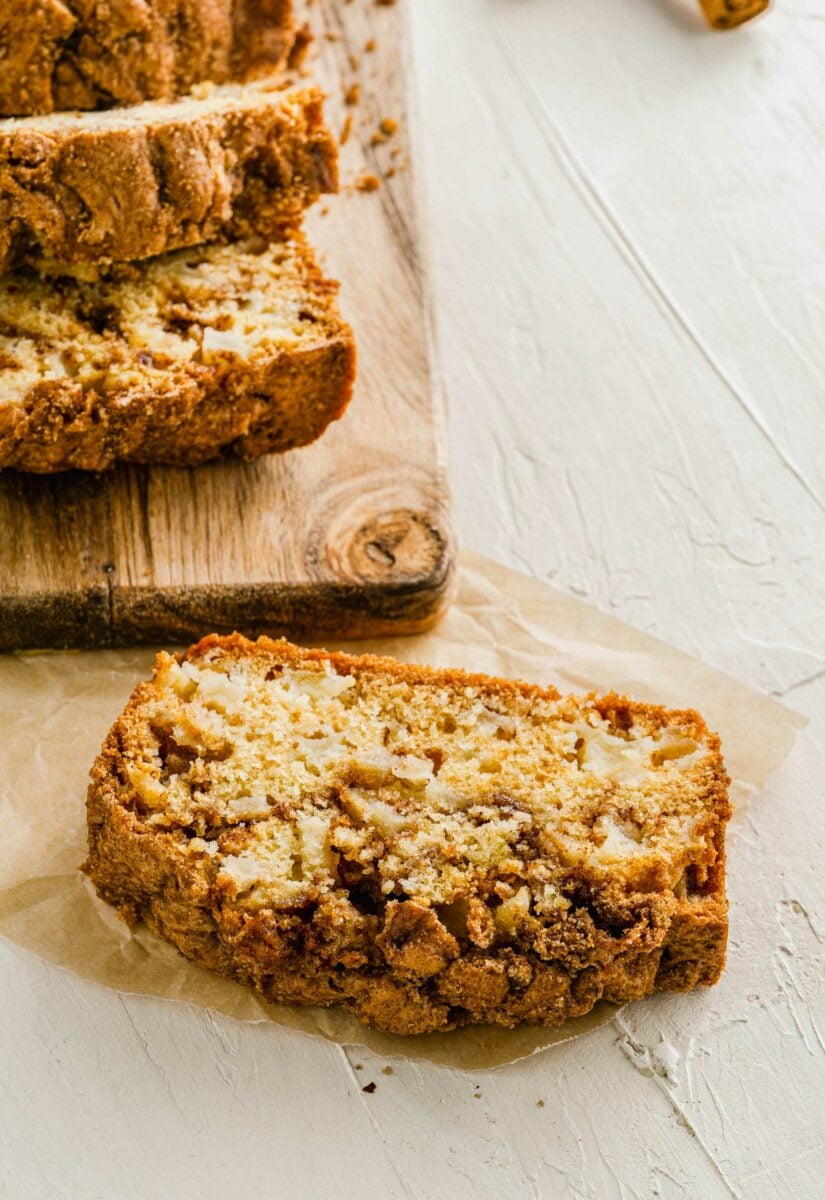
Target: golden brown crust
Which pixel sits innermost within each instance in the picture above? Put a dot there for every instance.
(93, 54)
(402, 965)
(105, 188)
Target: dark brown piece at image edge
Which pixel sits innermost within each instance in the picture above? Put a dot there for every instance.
(349, 537)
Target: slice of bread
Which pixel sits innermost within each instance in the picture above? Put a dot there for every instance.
(426, 848)
(126, 184)
(173, 360)
(60, 55)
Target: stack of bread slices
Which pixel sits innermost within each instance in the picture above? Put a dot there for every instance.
(158, 300)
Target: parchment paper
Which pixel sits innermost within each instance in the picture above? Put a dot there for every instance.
(56, 709)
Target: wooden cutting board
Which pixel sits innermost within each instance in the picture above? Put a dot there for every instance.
(348, 537)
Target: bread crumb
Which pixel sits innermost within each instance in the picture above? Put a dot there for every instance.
(346, 130)
(386, 128)
(371, 46)
(539, 1104)
(353, 94)
(367, 183)
(300, 48)
(386, 1070)
(369, 1088)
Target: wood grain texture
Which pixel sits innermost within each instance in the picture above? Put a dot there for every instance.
(349, 537)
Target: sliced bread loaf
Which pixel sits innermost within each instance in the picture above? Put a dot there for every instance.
(130, 183)
(426, 848)
(61, 54)
(173, 360)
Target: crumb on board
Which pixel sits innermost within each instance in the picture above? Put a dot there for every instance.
(359, 1066)
(353, 93)
(370, 46)
(386, 1070)
(387, 127)
(369, 1088)
(539, 1104)
(346, 130)
(300, 48)
(367, 183)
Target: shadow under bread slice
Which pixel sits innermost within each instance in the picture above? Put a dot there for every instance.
(425, 848)
(228, 162)
(60, 56)
(218, 349)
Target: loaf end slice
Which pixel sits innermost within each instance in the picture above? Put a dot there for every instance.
(426, 849)
(96, 55)
(228, 163)
(216, 350)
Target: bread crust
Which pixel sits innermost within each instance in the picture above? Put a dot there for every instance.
(400, 969)
(99, 53)
(176, 177)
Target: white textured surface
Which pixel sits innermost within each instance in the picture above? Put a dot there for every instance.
(629, 251)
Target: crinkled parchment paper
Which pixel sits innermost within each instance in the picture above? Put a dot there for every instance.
(57, 707)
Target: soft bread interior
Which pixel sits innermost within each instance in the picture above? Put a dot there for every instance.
(299, 774)
(191, 308)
